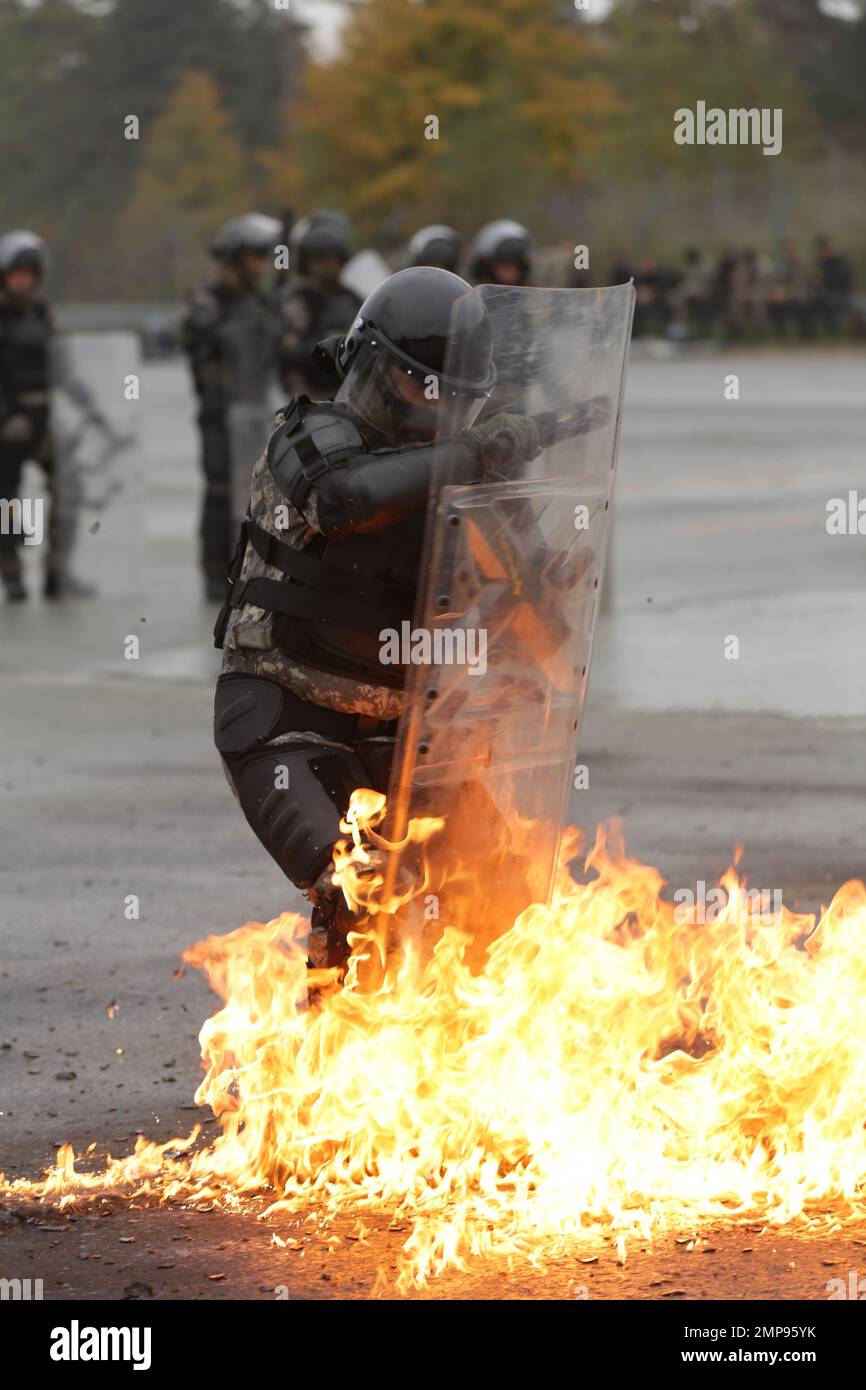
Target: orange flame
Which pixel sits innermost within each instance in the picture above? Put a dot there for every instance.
(606, 1070)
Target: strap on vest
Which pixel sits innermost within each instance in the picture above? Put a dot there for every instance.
(318, 589)
(299, 601)
(309, 568)
(232, 575)
(312, 460)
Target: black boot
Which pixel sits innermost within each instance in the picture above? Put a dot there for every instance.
(13, 587)
(51, 586)
(327, 948)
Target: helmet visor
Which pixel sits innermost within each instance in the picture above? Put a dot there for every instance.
(405, 404)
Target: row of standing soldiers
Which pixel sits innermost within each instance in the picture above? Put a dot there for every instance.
(742, 294)
(239, 336)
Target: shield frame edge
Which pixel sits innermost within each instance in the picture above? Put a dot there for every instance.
(405, 762)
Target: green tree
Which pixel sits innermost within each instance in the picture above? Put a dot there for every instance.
(669, 54)
(48, 143)
(193, 174)
(516, 90)
(251, 49)
(829, 53)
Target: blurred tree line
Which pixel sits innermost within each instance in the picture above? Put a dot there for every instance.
(542, 115)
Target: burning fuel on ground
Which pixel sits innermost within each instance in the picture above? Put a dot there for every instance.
(606, 1069)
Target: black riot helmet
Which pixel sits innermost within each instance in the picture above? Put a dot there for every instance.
(436, 245)
(501, 243)
(23, 250)
(398, 358)
(254, 231)
(318, 235)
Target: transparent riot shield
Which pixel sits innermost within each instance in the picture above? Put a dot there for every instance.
(97, 483)
(510, 582)
(249, 427)
(364, 273)
(249, 361)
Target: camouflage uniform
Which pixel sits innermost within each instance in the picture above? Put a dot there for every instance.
(249, 649)
(248, 644)
(323, 718)
(327, 565)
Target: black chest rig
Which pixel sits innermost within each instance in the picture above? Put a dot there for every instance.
(247, 338)
(326, 312)
(25, 350)
(337, 595)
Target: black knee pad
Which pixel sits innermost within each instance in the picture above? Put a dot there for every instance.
(294, 796)
(246, 712)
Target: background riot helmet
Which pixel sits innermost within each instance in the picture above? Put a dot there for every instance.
(397, 358)
(322, 236)
(23, 250)
(436, 245)
(502, 243)
(252, 232)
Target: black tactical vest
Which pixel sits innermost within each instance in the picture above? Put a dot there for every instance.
(25, 350)
(338, 594)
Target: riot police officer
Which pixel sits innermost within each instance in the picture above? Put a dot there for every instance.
(25, 365)
(501, 254)
(229, 333)
(435, 245)
(314, 305)
(328, 558)
(31, 365)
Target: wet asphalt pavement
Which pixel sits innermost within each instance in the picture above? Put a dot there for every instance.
(109, 786)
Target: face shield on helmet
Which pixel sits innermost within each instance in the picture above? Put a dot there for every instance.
(22, 251)
(501, 253)
(436, 245)
(254, 233)
(418, 360)
(321, 244)
(404, 401)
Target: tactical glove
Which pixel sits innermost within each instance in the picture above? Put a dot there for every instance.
(504, 439)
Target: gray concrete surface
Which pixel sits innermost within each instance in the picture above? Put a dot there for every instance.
(109, 786)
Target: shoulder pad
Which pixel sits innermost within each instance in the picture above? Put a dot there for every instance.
(203, 306)
(312, 439)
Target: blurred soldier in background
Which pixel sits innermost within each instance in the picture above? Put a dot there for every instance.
(789, 307)
(316, 304)
(655, 285)
(835, 281)
(649, 301)
(501, 254)
(229, 332)
(25, 382)
(436, 245)
(750, 290)
(621, 269)
(722, 289)
(693, 293)
(32, 363)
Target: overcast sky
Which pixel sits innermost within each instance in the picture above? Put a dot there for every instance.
(325, 18)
